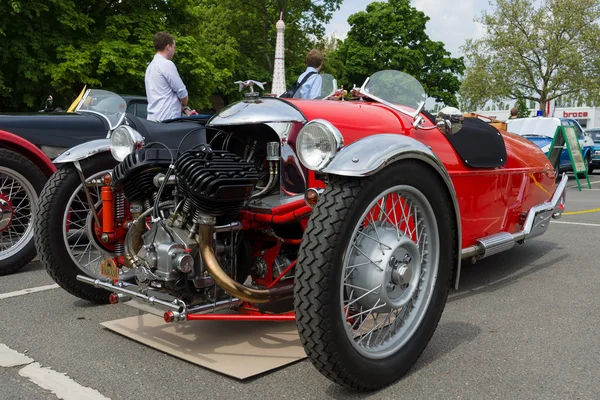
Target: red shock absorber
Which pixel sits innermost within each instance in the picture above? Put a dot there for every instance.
(108, 218)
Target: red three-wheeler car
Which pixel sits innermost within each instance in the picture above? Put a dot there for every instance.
(357, 213)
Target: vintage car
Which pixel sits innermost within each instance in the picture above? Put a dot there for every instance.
(28, 144)
(351, 218)
(541, 130)
(594, 134)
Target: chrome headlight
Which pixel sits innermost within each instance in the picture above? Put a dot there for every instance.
(124, 141)
(317, 143)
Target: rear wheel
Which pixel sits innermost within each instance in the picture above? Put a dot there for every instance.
(65, 238)
(373, 274)
(20, 183)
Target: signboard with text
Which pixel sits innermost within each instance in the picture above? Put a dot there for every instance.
(565, 135)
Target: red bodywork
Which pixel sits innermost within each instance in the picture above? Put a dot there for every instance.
(490, 200)
(17, 144)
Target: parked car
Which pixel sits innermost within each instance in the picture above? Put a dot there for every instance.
(29, 142)
(594, 134)
(541, 130)
(360, 211)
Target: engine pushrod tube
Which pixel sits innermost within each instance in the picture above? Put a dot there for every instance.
(113, 288)
(229, 285)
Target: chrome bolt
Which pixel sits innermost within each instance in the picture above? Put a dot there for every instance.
(407, 259)
(391, 287)
(355, 160)
(104, 238)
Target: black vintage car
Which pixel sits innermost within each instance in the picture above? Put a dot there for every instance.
(30, 142)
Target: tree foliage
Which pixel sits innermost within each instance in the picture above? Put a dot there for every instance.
(523, 110)
(392, 36)
(543, 52)
(58, 46)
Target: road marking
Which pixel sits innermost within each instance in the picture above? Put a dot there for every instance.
(27, 291)
(591, 183)
(573, 223)
(593, 210)
(59, 384)
(11, 358)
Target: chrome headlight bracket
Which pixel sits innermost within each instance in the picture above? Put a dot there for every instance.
(317, 143)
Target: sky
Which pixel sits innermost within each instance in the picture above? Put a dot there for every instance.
(451, 21)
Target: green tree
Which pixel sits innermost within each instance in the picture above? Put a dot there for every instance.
(253, 27)
(521, 104)
(392, 35)
(59, 46)
(543, 52)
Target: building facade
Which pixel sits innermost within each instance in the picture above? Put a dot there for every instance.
(588, 117)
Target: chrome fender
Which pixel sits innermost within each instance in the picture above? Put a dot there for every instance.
(369, 155)
(84, 150)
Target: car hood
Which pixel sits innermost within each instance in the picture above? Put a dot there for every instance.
(54, 129)
(541, 142)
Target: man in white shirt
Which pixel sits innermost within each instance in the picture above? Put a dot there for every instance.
(312, 87)
(167, 95)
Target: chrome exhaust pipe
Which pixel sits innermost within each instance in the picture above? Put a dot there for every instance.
(536, 223)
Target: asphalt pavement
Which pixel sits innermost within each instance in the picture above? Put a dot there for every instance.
(524, 324)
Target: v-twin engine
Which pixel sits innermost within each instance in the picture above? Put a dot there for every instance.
(163, 244)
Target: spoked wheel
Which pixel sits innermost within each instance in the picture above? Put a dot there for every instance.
(20, 182)
(65, 230)
(373, 274)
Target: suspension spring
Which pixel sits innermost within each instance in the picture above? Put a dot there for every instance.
(119, 207)
(147, 204)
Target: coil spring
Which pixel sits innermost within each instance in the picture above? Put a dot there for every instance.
(120, 207)
(197, 216)
(187, 206)
(119, 249)
(147, 204)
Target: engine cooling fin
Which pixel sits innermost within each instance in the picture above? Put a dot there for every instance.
(217, 182)
(137, 171)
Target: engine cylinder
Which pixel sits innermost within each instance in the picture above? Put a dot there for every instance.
(137, 172)
(217, 182)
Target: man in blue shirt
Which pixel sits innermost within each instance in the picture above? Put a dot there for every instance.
(166, 93)
(312, 87)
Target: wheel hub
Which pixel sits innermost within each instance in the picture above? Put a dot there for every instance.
(6, 213)
(385, 269)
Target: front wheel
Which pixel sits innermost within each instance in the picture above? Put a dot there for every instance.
(65, 228)
(373, 274)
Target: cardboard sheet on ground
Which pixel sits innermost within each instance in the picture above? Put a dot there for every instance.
(239, 349)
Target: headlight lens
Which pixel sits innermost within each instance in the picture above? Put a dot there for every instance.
(124, 141)
(317, 144)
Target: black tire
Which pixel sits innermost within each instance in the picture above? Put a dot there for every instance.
(317, 288)
(17, 163)
(49, 240)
